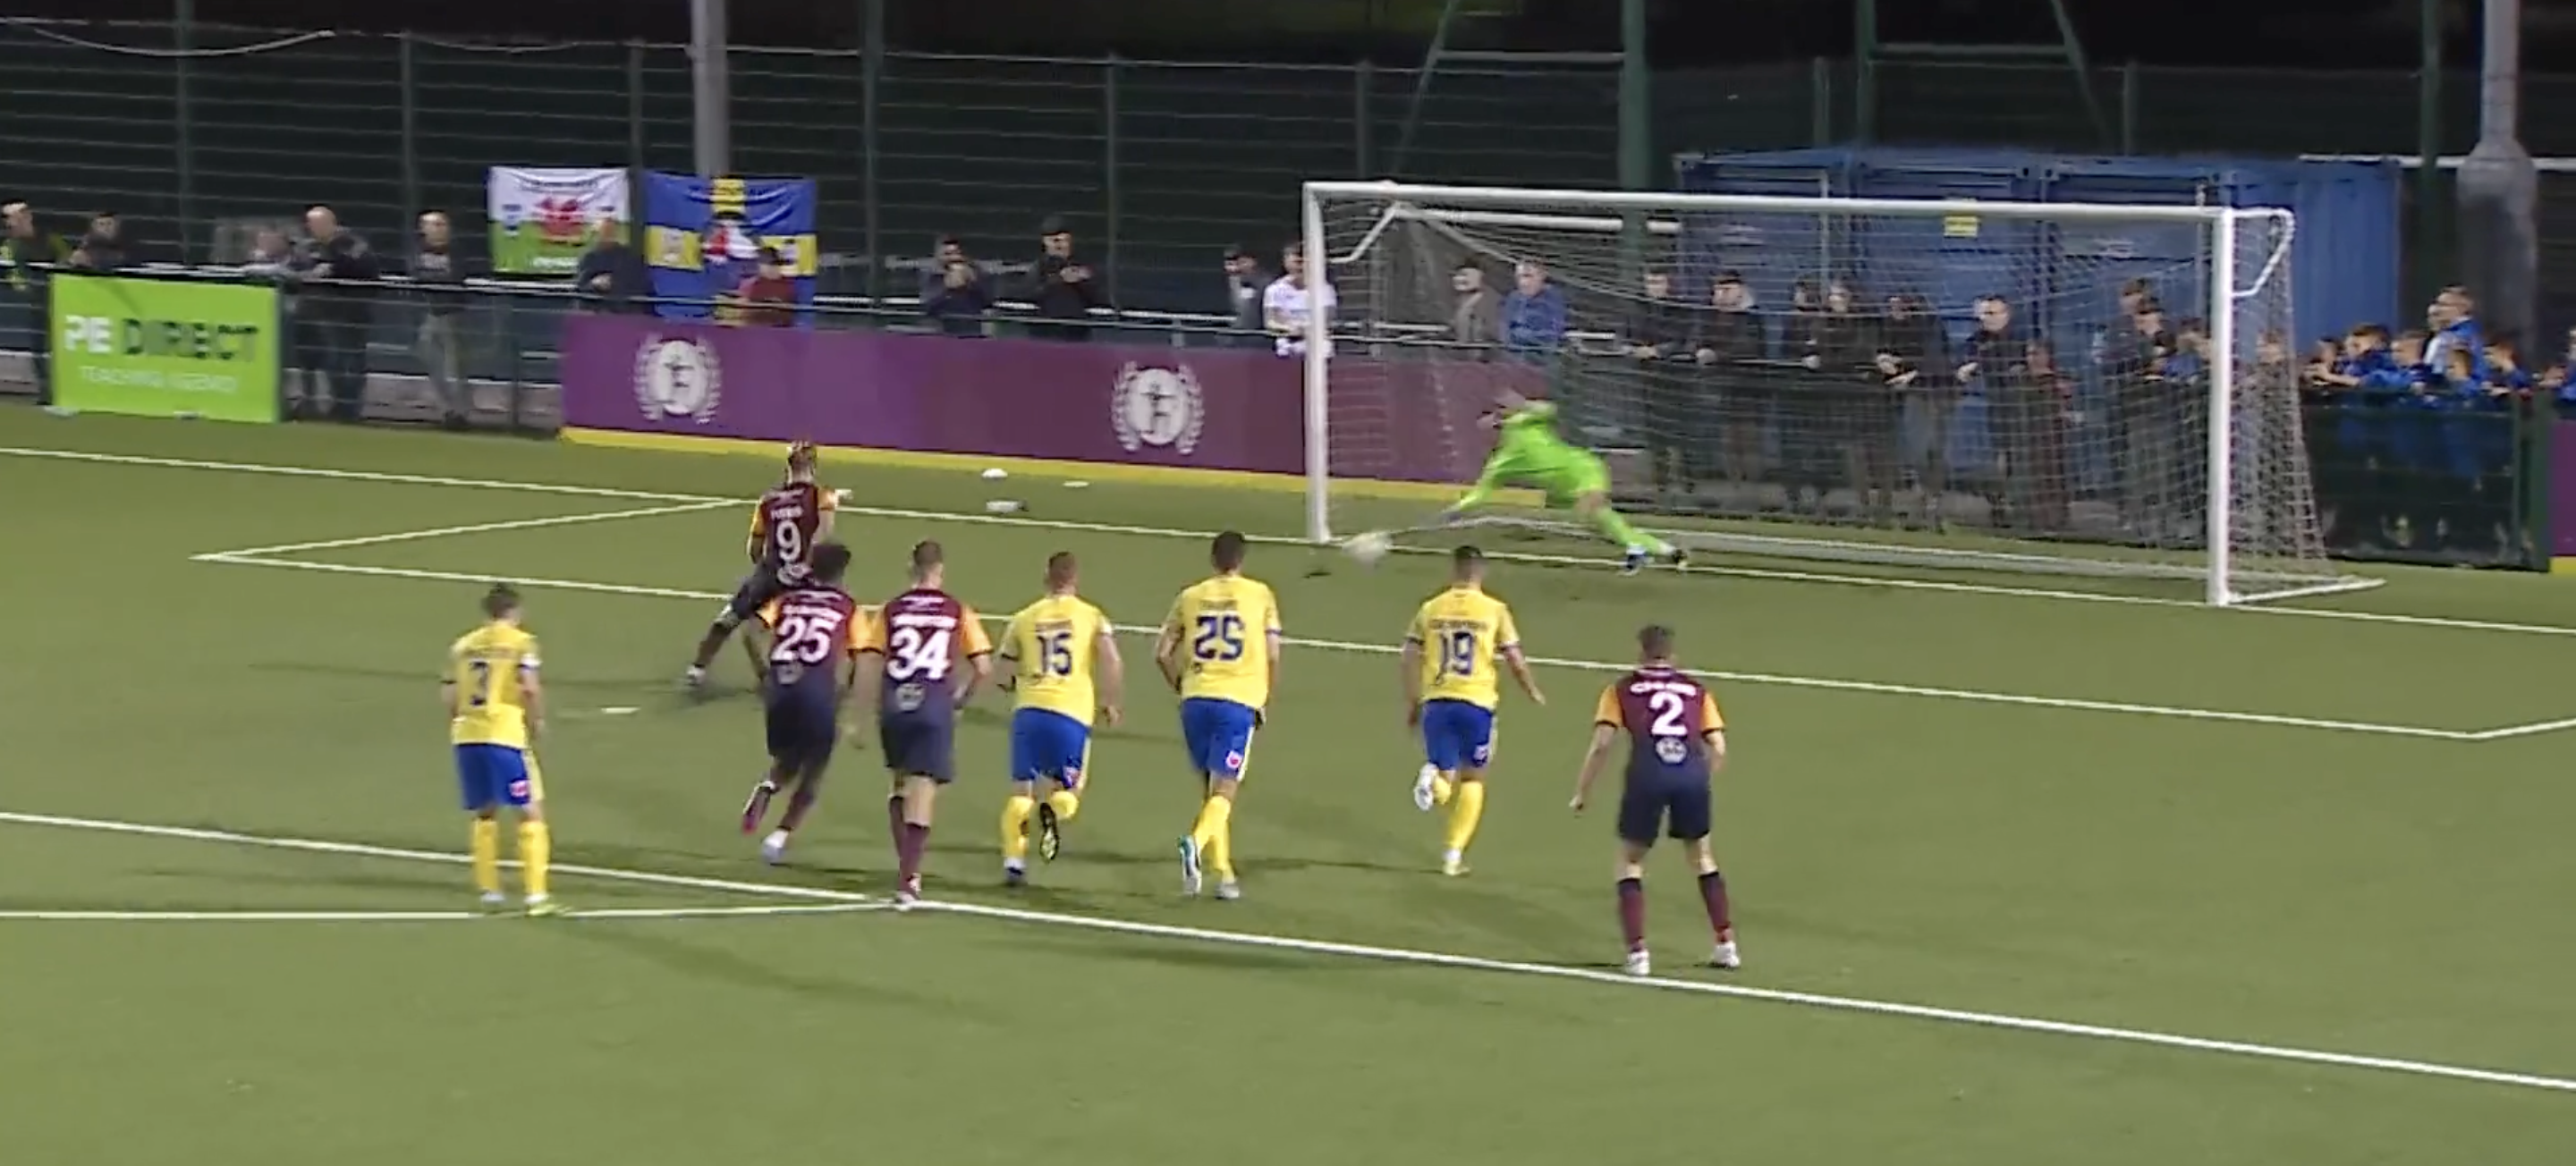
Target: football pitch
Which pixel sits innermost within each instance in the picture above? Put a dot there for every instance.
(2025, 871)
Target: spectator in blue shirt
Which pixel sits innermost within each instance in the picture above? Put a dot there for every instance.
(1534, 313)
(2453, 321)
(958, 305)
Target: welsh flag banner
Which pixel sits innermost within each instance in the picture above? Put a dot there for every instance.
(542, 219)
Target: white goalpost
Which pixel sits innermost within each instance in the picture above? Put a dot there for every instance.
(1848, 426)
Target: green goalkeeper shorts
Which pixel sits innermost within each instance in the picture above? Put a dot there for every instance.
(1590, 476)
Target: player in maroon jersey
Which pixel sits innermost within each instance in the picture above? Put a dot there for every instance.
(924, 655)
(812, 663)
(1676, 744)
(788, 522)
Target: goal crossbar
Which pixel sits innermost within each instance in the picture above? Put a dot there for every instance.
(1655, 213)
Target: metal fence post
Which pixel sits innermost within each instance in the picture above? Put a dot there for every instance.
(1820, 101)
(634, 132)
(1109, 168)
(1363, 82)
(2129, 108)
(184, 34)
(871, 122)
(407, 74)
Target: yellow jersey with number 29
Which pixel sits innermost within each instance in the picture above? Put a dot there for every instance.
(487, 667)
(1462, 633)
(1228, 627)
(1055, 643)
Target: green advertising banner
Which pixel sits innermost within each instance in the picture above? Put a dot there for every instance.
(165, 348)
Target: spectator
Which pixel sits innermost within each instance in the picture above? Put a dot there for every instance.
(1658, 331)
(273, 260)
(340, 274)
(1730, 334)
(766, 298)
(613, 276)
(2189, 360)
(439, 275)
(1244, 285)
(1802, 336)
(2039, 406)
(2451, 318)
(1807, 417)
(1063, 287)
(1476, 317)
(1534, 312)
(945, 251)
(1992, 363)
(1913, 351)
(1294, 301)
(106, 245)
(2362, 387)
(27, 259)
(958, 305)
(1865, 420)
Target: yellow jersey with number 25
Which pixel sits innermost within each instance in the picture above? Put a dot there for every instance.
(1228, 627)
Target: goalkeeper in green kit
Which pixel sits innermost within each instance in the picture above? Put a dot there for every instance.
(1531, 455)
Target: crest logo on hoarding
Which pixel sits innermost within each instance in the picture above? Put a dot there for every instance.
(677, 377)
(1160, 407)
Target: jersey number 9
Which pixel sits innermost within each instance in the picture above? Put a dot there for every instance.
(1220, 638)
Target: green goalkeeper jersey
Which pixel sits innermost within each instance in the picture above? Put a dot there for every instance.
(1531, 454)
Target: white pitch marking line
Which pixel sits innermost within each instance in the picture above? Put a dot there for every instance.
(471, 528)
(1428, 958)
(1878, 581)
(753, 911)
(1758, 678)
(362, 850)
(2534, 729)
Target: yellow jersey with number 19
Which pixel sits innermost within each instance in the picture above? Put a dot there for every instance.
(1055, 643)
(1462, 633)
(487, 667)
(1228, 627)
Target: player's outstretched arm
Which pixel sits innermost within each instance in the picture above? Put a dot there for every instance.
(1602, 737)
(1113, 676)
(1518, 662)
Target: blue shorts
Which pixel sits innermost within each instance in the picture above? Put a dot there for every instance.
(1049, 746)
(1457, 735)
(1218, 734)
(496, 775)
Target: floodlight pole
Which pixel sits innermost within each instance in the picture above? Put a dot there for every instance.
(2500, 187)
(710, 89)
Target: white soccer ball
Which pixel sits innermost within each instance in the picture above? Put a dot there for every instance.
(1367, 549)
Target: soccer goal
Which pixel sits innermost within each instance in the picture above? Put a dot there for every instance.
(1756, 421)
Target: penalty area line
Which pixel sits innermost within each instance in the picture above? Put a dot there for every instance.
(1392, 955)
(1776, 680)
(742, 911)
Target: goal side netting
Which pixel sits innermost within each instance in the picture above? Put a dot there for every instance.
(2059, 389)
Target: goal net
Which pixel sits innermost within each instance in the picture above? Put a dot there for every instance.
(1939, 385)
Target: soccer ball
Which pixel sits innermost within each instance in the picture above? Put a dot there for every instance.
(1367, 549)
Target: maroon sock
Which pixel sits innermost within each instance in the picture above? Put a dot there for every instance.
(1632, 913)
(913, 841)
(798, 804)
(1712, 891)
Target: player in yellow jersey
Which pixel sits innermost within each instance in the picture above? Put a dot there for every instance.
(495, 709)
(1452, 687)
(1060, 659)
(1220, 651)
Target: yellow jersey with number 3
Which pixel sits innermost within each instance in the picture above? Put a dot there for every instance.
(1228, 627)
(1055, 643)
(1462, 633)
(488, 667)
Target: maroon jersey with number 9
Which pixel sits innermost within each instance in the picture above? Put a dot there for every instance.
(786, 524)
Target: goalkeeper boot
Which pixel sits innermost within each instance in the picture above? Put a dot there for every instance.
(1676, 558)
(1636, 561)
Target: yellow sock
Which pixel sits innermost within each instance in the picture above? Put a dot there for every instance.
(1066, 802)
(536, 847)
(487, 856)
(1442, 789)
(1220, 851)
(1213, 814)
(1016, 813)
(1464, 813)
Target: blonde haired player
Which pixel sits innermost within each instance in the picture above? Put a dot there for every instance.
(1452, 688)
(495, 709)
(1220, 650)
(1060, 662)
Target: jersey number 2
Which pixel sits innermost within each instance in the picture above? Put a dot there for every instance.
(1672, 715)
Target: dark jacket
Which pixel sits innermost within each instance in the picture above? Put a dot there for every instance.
(2001, 357)
(352, 270)
(1663, 325)
(1243, 299)
(1733, 335)
(629, 278)
(1059, 300)
(1846, 341)
(1918, 343)
(959, 311)
(439, 273)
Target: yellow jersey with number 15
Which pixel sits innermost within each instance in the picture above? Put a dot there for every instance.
(488, 666)
(1462, 634)
(1055, 645)
(1228, 627)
